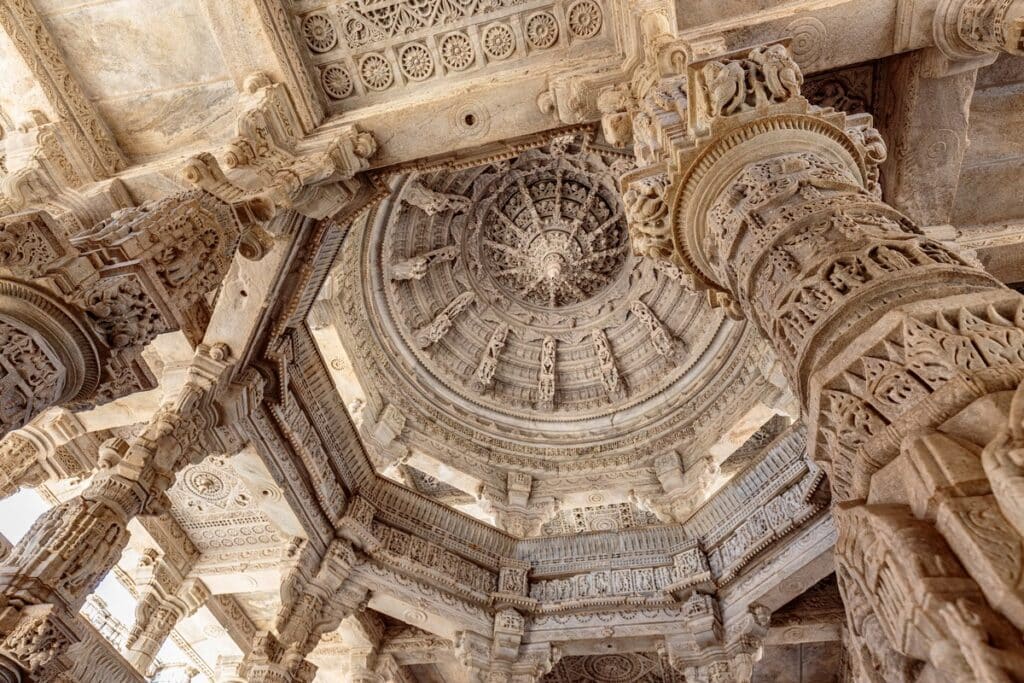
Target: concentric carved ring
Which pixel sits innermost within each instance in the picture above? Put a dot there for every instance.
(57, 335)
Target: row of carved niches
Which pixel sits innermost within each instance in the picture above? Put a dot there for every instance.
(498, 308)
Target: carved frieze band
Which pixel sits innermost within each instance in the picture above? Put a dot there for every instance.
(364, 48)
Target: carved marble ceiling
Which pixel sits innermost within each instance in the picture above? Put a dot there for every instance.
(367, 52)
(487, 316)
(496, 317)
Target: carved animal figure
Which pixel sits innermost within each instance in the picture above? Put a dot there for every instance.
(726, 87)
(778, 72)
(646, 211)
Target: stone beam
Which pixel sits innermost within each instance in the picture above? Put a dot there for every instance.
(1000, 248)
(233, 618)
(419, 603)
(924, 117)
(86, 131)
(257, 35)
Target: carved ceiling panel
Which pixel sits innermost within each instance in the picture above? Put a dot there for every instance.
(222, 516)
(612, 517)
(363, 51)
(635, 667)
(497, 308)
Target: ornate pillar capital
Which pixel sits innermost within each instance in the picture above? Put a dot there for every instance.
(756, 188)
(884, 334)
(166, 597)
(967, 29)
(77, 307)
(48, 356)
(738, 109)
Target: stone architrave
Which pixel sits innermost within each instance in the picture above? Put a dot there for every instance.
(884, 334)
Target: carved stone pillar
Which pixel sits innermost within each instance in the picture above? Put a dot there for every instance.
(227, 670)
(515, 511)
(165, 599)
(71, 547)
(362, 666)
(886, 336)
(503, 658)
(316, 596)
(55, 445)
(46, 355)
(78, 306)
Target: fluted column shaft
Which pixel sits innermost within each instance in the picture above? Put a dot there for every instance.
(884, 334)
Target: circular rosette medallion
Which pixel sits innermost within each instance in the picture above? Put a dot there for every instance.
(553, 238)
(499, 307)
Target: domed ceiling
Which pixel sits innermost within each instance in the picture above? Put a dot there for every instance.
(498, 305)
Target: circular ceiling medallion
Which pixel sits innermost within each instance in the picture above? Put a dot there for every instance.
(336, 81)
(613, 668)
(499, 41)
(553, 239)
(500, 308)
(205, 483)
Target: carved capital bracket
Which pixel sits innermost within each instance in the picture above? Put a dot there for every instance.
(77, 308)
(166, 597)
(266, 158)
(967, 29)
